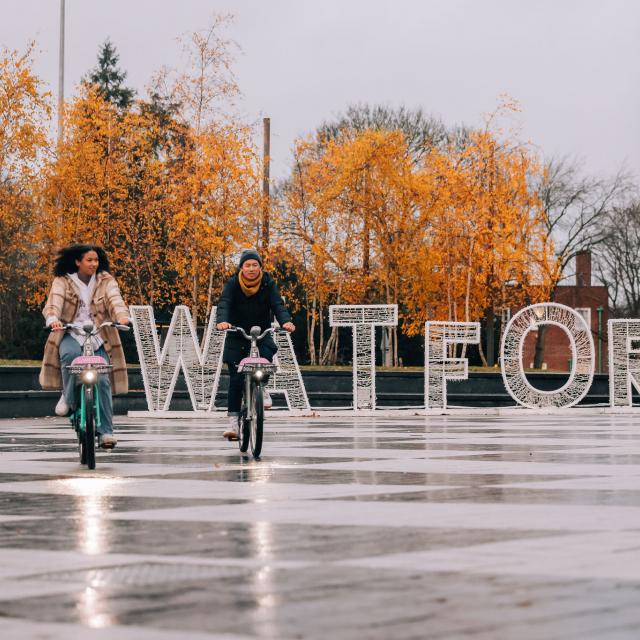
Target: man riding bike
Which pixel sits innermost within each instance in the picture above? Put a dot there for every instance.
(249, 298)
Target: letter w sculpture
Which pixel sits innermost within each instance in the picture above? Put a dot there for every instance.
(160, 369)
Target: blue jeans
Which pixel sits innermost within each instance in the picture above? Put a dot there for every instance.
(70, 349)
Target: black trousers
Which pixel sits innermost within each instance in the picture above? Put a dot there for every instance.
(236, 384)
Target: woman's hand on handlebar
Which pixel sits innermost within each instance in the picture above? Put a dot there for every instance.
(123, 320)
(223, 326)
(56, 325)
(289, 326)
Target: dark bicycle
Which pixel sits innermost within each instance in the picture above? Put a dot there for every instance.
(85, 417)
(256, 370)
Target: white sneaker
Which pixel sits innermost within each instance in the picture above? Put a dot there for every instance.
(107, 440)
(267, 402)
(62, 408)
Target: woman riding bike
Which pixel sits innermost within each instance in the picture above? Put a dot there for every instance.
(249, 298)
(84, 291)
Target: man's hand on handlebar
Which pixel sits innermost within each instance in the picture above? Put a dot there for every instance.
(223, 326)
(289, 326)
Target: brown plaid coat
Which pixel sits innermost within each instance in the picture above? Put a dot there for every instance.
(107, 304)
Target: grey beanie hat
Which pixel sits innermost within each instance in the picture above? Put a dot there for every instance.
(249, 254)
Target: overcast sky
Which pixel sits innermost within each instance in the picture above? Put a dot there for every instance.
(571, 64)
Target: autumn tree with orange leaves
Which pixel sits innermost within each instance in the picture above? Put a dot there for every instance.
(216, 205)
(170, 186)
(24, 115)
(216, 190)
(109, 185)
(454, 237)
(484, 247)
(170, 202)
(348, 213)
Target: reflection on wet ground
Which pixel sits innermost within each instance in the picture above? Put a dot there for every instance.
(406, 527)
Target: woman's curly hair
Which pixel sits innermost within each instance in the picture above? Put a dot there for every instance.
(66, 258)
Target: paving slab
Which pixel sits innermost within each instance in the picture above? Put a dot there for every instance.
(384, 526)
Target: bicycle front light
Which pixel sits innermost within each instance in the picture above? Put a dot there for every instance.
(89, 376)
(258, 375)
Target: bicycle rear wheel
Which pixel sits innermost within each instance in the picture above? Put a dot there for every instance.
(257, 420)
(89, 428)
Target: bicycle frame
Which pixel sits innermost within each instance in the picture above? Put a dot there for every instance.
(87, 370)
(88, 361)
(256, 371)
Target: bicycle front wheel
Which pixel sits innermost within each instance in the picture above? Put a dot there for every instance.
(257, 420)
(243, 431)
(77, 428)
(89, 428)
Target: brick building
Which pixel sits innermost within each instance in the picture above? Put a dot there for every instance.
(592, 302)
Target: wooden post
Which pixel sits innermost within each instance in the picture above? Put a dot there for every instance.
(491, 317)
(266, 122)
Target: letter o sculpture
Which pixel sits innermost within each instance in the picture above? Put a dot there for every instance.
(582, 351)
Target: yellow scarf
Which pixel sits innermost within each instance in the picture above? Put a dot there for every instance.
(249, 287)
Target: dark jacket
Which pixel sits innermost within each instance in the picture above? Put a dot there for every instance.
(244, 311)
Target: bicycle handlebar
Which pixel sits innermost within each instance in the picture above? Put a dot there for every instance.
(119, 327)
(83, 330)
(247, 336)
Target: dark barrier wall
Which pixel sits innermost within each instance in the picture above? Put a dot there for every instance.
(20, 394)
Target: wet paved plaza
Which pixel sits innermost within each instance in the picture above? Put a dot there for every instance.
(518, 526)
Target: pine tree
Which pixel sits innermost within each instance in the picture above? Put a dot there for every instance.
(109, 79)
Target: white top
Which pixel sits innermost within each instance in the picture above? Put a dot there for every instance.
(83, 315)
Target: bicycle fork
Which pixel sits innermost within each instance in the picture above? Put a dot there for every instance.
(247, 396)
(83, 408)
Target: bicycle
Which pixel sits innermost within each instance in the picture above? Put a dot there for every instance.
(85, 417)
(256, 371)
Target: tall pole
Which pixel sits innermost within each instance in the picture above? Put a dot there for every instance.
(60, 108)
(266, 159)
(61, 73)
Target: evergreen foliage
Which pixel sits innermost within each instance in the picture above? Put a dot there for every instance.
(109, 79)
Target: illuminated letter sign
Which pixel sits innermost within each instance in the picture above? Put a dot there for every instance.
(288, 379)
(438, 367)
(582, 356)
(160, 369)
(364, 319)
(624, 361)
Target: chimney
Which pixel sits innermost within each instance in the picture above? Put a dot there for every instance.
(583, 269)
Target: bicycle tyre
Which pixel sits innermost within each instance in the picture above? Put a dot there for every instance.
(80, 436)
(257, 420)
(89, 429)
(243, 431)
